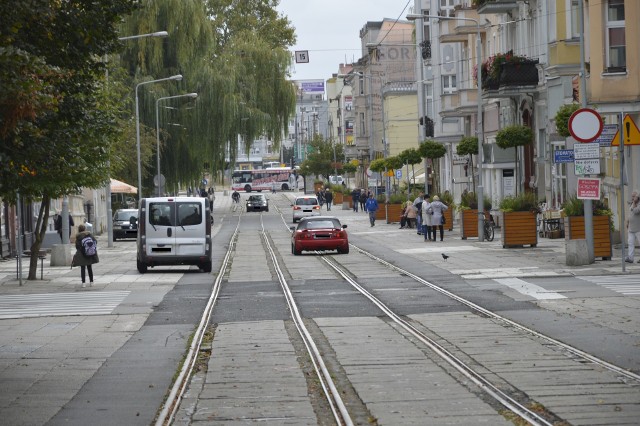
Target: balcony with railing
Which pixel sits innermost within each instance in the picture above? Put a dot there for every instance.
(506, 70)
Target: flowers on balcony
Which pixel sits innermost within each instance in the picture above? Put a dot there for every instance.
(499, 69)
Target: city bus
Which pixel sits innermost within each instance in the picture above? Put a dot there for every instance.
(276, 178)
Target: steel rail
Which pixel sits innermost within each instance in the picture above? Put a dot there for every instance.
(338, 407)
(484, 384)
(171, 404)
(573, 350)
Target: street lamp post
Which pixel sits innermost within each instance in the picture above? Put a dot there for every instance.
(187, 95)
(480, 130)
(108, 187)
(177, 77)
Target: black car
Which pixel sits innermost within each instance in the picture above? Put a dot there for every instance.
(125, 224)
(258, 203)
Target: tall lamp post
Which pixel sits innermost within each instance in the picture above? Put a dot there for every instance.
(187, 95)
(480, 130)
(108, 188)
(177, 77)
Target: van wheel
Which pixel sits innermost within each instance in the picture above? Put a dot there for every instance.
(206, 267)
(247, 188)
(285, 187)
(142, 268)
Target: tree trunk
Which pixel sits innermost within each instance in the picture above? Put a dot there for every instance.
(41, 229)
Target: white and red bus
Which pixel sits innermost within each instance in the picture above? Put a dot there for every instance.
(276, 178)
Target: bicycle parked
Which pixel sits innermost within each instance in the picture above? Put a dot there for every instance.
(489, 227)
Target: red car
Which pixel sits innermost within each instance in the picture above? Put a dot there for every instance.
(319, 233)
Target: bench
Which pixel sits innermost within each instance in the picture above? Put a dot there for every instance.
(42, 254)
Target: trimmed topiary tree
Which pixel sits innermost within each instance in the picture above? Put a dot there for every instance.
(562, 119)
(433, 150)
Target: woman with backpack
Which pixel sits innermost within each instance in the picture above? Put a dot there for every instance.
(86, 253)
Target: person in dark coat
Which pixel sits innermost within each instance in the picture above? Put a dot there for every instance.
(79, 259)
(355, 199)
(57, 225)
(328, 197)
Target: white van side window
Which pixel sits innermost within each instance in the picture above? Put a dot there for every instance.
(189, 213)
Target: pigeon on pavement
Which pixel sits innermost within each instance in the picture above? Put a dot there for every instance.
(445, 257)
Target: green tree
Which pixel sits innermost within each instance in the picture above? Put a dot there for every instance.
(562, 119)
(320, 160)
(433, 150)
(57, 125)
(235, 55)
(469, 146)
(411, 157)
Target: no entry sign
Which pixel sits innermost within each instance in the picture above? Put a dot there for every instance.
(585, 125)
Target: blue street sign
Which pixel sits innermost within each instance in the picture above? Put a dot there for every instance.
(399, 174)
(563, 156)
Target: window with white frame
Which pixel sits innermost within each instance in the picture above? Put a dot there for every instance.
(362, 128)
(449, 84)
(447, 7)
(615, 37)
(361, 84)
(574, 31)
(428, 88)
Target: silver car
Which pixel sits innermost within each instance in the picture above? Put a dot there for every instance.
(305, 205)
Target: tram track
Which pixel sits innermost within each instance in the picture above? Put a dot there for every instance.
(505, 394)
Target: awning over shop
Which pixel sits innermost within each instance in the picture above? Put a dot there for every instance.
(118, 187)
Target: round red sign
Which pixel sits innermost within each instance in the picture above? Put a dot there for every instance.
(585, 125)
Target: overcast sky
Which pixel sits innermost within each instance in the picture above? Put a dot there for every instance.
(329, 30)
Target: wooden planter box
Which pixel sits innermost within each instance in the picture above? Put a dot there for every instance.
(574, 230)
(519, 229)
(317, 186)
(393, 212)
(468, 223)
(448, 215)
(337, 198)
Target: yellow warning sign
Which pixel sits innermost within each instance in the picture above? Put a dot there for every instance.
(631, 133)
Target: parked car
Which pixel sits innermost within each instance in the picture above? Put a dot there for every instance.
(125, 224)
(258, 203)
(336, 180)
(319, 233)
(305, 205)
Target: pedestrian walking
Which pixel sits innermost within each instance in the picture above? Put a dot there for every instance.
(57, 225)
(372, 207)
(633, 226)
(86, 254)
(328, 198)
(426, 218)
(355, 198)
(320, 195)
(364, 197)
(437, 209)
(417, 203)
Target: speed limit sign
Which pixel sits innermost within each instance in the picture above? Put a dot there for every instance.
(302, 56)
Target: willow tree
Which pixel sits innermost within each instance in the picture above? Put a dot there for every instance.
(469, 146)
(434, 151)
(234, 55)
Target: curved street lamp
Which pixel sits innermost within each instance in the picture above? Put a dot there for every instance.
(177, 77)
(479, 188)
(159, 34)
(187, 95)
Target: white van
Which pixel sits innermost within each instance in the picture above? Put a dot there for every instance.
(174, 231)
(336, 180)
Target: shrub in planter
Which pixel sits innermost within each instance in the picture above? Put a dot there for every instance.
(574, 228)
(519, 220)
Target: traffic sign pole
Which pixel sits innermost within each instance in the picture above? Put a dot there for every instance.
(623, 233)
(585, 125)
